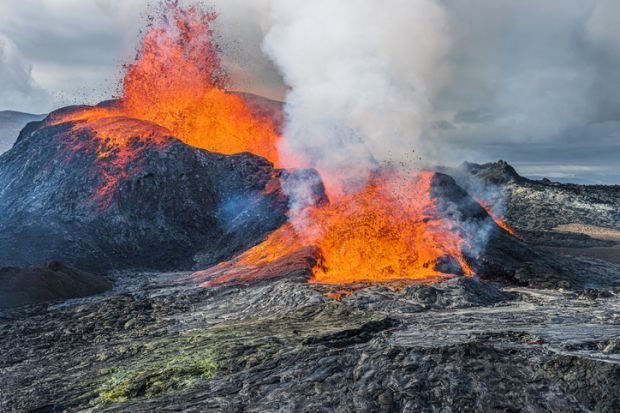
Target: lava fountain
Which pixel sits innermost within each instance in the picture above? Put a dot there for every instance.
(391, 230)
(177, 84)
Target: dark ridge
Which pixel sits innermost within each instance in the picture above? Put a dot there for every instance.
(499, 172)
(51, 282)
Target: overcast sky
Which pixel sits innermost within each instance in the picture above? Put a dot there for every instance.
(535, 82)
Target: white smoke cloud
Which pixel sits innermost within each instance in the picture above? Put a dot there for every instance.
(362, 75)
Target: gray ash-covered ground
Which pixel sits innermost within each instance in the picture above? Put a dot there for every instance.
(544, 339)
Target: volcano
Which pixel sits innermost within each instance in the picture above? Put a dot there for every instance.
(123, 193)
(209, 263)
(180, 173)
(354, 241)
(102, 191)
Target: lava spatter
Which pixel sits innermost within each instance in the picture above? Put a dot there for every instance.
(389, 231)
(176, 84)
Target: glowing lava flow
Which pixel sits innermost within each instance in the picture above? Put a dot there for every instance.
(390, 230)
(499, 220)
(177, 82)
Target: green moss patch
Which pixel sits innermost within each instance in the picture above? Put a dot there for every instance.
(169, 365)
(156, 376)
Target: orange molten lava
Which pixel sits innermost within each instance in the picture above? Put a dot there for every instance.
(390, 230)
(499, 220)
(177, 83)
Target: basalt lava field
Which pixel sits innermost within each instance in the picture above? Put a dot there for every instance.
(168, 250)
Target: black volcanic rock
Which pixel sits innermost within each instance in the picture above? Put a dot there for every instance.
(498, 255)
(493, 253)
(499, 172)
(171, 202)
(51, 282)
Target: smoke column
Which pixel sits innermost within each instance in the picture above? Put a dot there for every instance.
(362, 76)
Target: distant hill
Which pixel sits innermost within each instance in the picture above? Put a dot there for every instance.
(536, 205)
(11, 123)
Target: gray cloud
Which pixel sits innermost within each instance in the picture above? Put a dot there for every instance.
(18, 89)
(535, 82)
(74, 47)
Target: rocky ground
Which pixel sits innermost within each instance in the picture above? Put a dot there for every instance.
(156, 342)
(282, 345)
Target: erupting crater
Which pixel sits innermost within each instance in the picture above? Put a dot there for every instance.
(401, 226)
(395, 227)
(177, 84)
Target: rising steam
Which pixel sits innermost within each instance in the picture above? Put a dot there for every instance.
(362, 76)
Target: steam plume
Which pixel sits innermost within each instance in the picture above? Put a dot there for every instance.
(362, 77)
